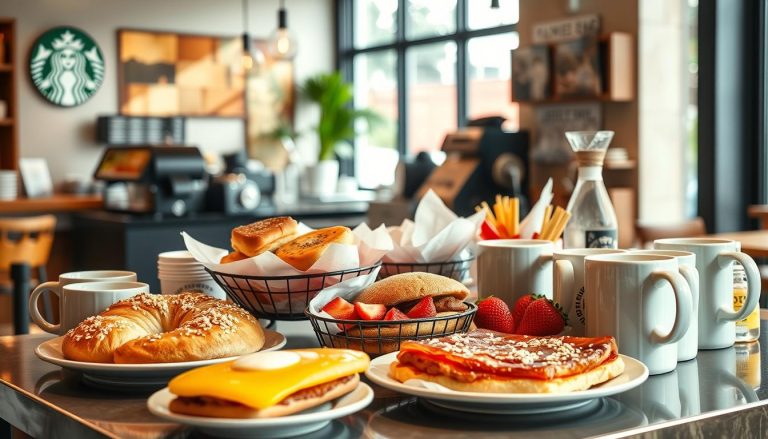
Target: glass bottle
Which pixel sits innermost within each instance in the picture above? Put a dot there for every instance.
(593, 221)
(748, 363)
(747, 329)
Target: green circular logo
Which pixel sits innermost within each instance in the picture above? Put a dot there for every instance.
(66, 66)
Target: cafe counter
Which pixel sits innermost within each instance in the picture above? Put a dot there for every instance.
(721, 393)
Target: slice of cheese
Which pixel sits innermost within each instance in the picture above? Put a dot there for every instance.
(262, 380)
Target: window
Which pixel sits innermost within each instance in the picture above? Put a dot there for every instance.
(426, 67)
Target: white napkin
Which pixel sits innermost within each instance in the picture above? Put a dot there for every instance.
(532, 222)
(436, 234)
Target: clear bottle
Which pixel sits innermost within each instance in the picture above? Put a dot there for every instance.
(593, 222)
(747, 329)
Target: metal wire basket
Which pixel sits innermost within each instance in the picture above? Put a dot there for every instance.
(282, 297)
(378, 337)
(458, 270)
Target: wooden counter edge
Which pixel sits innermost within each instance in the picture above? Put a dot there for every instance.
(54, 203)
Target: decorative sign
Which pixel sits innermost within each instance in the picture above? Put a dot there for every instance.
(566, 29)
(553, 120)
(66, 66)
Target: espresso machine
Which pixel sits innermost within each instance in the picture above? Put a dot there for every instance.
(481, 162)
(160, 180)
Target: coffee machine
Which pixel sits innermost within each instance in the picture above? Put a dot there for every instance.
(481, 161)
(160, 180)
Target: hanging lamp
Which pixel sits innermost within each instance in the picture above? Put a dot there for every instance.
(282, 45)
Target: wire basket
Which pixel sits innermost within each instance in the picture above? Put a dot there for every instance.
(282, 297)
(457, 270)
(379, 337)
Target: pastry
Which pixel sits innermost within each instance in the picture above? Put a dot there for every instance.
(267, 384)
(305, 250)
(233, 257)
(151, 328)
(484, 361)
(264, 235)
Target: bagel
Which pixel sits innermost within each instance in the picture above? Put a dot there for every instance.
(408, 287)
(304, 251)
(150, 328)
(264, 235)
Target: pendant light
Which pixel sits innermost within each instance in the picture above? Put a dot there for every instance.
(494, 4)
(251, 58)
(282, 45)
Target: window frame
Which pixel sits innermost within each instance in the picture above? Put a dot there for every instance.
(346, 53)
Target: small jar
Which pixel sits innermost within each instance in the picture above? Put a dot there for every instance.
(748, 329)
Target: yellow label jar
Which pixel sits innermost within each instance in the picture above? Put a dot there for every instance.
(747, 329)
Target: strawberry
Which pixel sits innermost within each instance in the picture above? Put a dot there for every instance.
(487, 231)
(395, 314)
(340, 309)
(424, 309)
(520, 305)
(493, 314)
(542, 317)
(370, 311)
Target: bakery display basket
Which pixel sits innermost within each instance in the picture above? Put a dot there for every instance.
(282, 297)
(379, 337)
(457, 270)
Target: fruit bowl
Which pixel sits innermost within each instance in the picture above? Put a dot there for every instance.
(379, 337)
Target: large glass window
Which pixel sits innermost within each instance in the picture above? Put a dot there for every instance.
(426, 67)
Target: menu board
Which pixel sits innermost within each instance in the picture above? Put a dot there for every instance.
(123, 164)
(553, 121)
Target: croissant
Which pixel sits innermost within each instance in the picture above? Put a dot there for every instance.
(150, 328)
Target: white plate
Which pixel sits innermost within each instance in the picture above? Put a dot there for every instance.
(138, 377)
(291, 425)
(635, 373)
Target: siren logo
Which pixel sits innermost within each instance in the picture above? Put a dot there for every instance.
(66, 66)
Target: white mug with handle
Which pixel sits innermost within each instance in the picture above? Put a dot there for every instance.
(568, 283)
(616, 285)
(511, 268)
(65, 279)
(714, 260)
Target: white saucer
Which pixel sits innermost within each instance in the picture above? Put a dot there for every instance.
(284, 426)
(138, 377)
(635, 373)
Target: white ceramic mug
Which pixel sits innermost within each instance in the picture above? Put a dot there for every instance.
(688, 346)
(714, 260)
(641, 300)
(568, 282)
(55, 287)
(510, 268)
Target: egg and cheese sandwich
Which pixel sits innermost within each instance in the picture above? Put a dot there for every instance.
(268, 384)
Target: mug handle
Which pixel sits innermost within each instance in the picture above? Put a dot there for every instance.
(35, 313)
(682, 304)
(753, 285)
(564, 280)
(691, 275)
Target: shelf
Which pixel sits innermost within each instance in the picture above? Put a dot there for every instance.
(54, 203)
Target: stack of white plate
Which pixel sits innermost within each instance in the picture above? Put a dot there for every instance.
(9, 186)
(616, 155)
(178, 271)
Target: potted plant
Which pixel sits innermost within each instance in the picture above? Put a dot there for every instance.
(335, 130)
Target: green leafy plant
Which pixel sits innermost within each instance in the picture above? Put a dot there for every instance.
(337, 117)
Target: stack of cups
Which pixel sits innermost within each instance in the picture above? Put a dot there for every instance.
(8, 185)
(178, 271)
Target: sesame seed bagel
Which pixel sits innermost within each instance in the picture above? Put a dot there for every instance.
(150, 328)
(407, 287)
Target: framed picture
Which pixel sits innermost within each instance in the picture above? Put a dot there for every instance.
(170, 74)
(36, 177)
(530, 73)
(577, 67)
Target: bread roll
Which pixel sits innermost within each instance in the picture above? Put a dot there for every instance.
(151, 328)
(407, 287)
(305, 250)
(267, 234)
(233, 257)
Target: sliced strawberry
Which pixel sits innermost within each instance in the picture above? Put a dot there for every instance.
(340, 309)
(395, 314)
(370, 311)
(487, 231)
(425, 308)
(542, 317)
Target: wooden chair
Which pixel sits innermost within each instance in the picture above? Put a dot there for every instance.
(647, 233)
(26, 240)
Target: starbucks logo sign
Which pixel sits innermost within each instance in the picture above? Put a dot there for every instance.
(66, 66)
